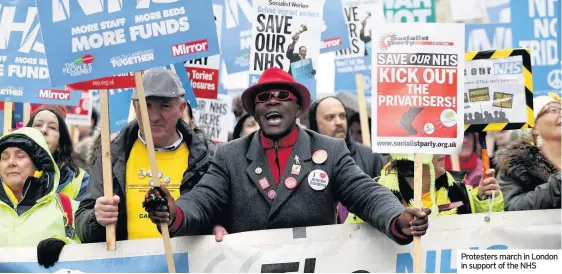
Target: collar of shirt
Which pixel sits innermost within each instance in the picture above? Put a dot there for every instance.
(172, 147)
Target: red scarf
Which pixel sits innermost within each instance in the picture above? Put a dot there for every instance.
(284, 149)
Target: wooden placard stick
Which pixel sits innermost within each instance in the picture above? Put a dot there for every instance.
(26, 113)
(7, 118)
(363, 116)
(145, 122)
(418, 181)
(106, 163)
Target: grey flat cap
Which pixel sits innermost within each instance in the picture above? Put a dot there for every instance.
(160, 82)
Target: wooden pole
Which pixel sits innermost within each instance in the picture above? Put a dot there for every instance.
(7, 117)
(106, 164)
(152, 159)
(455, 164)
(363, 116)
(418, 181)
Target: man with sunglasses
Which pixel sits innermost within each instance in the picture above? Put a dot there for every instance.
(283, 176)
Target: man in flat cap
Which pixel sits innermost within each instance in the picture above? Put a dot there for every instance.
(182, 157)
(283, 176)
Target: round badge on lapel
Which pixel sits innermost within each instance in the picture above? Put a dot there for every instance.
(318, 179)
(258, 170)
(290, 183)
(271, 194)
(319, 156)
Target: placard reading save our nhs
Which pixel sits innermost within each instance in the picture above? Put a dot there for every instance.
(87, 39)
(23, 66)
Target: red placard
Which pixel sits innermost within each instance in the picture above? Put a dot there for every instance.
(126, 80)
(410, 111)
(204, 81)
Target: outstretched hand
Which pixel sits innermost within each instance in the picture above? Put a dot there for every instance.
(160, 205)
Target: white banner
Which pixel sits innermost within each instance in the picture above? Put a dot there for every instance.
(336, 248)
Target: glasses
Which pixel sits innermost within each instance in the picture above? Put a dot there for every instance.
(281, 95)
(549, 109)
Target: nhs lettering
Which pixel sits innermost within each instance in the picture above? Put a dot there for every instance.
(237, 27)
(93, 39)
(23, 65)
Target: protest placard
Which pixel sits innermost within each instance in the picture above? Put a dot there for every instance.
(118, 112)
(496, 89)
(204, 72)
(82, 113)
(488, 36)
(409, 11)
(302, 69)
(284, 33)
(503, 100)
(124, 80)
(214, 117)
(417, 86)
(335, 35)
(538, 29)
(345, 71)
(87, 40)
(361, 17)
(24, 76)
(236, 35)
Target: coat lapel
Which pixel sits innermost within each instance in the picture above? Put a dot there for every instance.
(256, 154)
(302, 150)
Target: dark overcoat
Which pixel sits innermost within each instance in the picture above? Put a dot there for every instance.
(231, 189)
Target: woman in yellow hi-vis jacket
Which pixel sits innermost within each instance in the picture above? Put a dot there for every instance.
(442, 191)
(31, 212)
(73, 179)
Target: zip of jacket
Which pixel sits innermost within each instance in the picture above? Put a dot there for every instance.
(277, 161)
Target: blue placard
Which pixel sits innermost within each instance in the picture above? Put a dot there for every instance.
(346, 71)
(236, 38)
(302, 69)
(1, 121)
(537, 25)
(86, 40)
(186, 83)
(488, 36)
(24, 76)
(336, 35)
(498, 13)
(118, 113)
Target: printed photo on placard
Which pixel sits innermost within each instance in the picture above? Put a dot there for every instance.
(496, 91)
(362, 17)
(284, 34)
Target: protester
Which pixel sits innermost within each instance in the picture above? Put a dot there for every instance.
(182, 157)
(328, 117)
(73, 179)
(31, 211)
(87, 150)
(529, 174)
(86, 131)
(469, 159)
(354, 123)
(188, 116)
(257, 181)
(442, 191)
(245, 126)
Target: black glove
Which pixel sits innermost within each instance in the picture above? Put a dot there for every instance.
(153, 199)
(48, 251)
